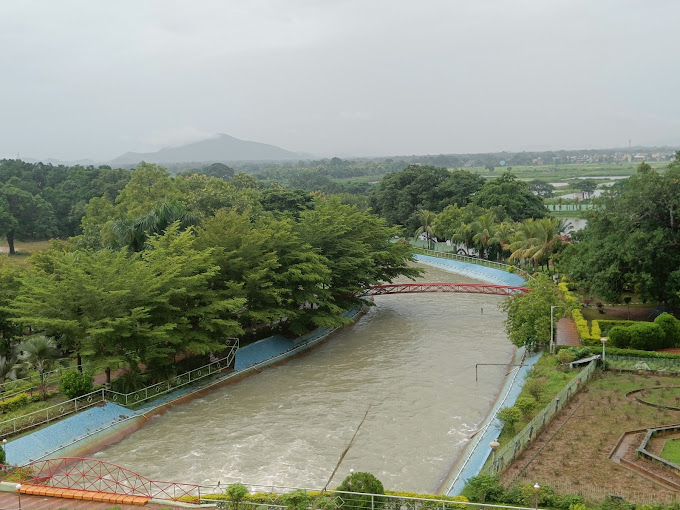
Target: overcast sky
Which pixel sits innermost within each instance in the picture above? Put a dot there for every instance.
(97, 78)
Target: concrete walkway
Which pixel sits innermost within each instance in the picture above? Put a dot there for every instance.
(10, 500)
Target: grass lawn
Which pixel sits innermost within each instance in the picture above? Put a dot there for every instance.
(574, 448)
(671, 451)
(23, 250)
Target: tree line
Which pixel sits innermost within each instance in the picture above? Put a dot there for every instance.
(176, 266)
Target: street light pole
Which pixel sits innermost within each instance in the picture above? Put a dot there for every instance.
(552, 334)
(536, 489)
(18, 488)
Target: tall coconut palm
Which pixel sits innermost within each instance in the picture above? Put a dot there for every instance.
(40, 353)
(426, 219)
(483, 228)
(502, 236)
(537, 240)
(464, 235)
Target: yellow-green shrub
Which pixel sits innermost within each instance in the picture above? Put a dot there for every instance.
(583, 331)
(13, 403)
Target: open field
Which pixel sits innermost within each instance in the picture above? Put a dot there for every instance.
(23, 250)
(574, 449)
(556, 173)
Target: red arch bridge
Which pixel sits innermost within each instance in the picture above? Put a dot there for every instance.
(467, 288)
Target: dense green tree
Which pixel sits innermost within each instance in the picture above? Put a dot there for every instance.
(587, 186)
(513, 195)
(528, 314)
(426, 226)
(400, 195)
(219, 170)
(632, 241)
(357, 247)
(10, 278)
(277, 199)
(541, 188)
(149, 186)
(24, 216)
(537, 240)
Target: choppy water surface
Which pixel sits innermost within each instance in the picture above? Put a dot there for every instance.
(411, 359)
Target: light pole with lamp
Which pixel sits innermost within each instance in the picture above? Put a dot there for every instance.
(552, 329)
(536, 489)
(494, 446)
(604, 341)
(18, 488)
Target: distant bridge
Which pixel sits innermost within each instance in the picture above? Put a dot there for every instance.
(461, 288)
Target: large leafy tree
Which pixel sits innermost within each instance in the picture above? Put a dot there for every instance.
(357, 246)
(24, 215)
(513, 195)
(632, 241)
(400, 195)
(528, 314)
(150, 185)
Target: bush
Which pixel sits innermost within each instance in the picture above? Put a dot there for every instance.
(364, 483)
(509, 416)
(606, 325)
(74, 384)
(565, 356)
(587, 337)
(236, 492)
(526, 405)
(296, 500)
(619, 336)
(484, 489)
(13, 403)
(671, 328)
(646, 336)
(535, 387)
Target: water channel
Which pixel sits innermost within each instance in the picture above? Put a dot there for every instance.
(410, 361)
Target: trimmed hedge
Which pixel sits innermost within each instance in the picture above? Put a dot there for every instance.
(12, 404)
(647, 336)
(607, 324)
(587, 338)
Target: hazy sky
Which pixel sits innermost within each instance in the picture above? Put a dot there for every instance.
(97, 78)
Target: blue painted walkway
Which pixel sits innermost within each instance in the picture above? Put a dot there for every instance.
(487, 274)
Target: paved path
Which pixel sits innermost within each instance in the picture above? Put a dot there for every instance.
(566, 333)
(10, 501)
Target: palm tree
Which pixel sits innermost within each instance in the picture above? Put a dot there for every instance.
(40, 353)
(483, 228)
(537, 240)
(8, 369)
(426, 219)
(463, 235)
(502, 236)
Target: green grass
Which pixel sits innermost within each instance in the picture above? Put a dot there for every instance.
(671, 451)
(23, 250)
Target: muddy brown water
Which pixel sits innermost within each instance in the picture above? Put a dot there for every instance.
(410, 361)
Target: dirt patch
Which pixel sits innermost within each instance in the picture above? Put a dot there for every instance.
(574, 449)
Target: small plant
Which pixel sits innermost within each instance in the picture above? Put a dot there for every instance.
(535, 387)
(236, 492)
(364, 483)
(296, 500)
(565, 356)
(74, 384)
(509, 416)
(526, 405)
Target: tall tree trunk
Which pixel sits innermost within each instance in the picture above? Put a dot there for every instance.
(10, 243)
(80, 362)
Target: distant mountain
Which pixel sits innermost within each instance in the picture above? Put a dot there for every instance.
(219, 149)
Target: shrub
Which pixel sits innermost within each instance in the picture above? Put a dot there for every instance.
(236, 492)
(364, 483)
(511, 269)
(646, 336)
(583, 331)
(483, 489)
(74, 384)
(13, 403)
(128, 382)
(606, 325)
(619, 336)
(535, 387)
(296, 500)
(565, 356)
(509, 416)
(526, 405)
(671, 328)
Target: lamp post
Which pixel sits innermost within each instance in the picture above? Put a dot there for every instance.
(536, 489)
(494, 446)
(552, 333)
(18, 488)
(604, 341)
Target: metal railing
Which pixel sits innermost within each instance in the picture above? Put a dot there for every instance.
(596, 493)
(271, 497)
(49, 414)
(505, 455)
(156, 390)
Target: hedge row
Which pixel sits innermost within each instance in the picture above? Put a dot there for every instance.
(616, 351)
(663, 333)
(606, 325)
(12, 404)
(588, 337)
